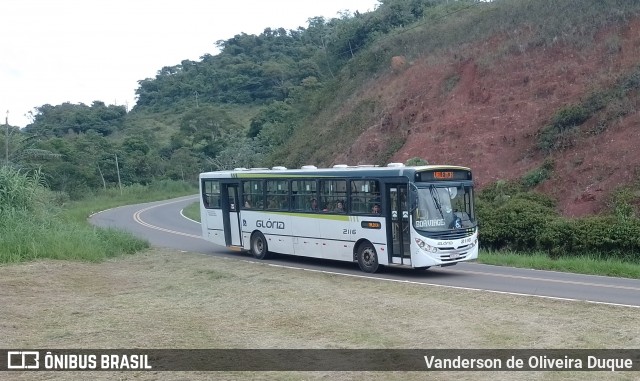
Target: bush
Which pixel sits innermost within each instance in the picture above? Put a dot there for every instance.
(538, 175)
(558, 134)
(416, 162)
(558, 238)
(513, 219)
(608, 236)
(569, 117)
(514, 225)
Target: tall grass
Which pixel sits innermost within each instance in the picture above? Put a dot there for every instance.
(34, 226)
(582, 265)
(20, 190)
(25, 238)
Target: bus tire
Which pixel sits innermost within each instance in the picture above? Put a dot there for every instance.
(259, 247)
(368, 258)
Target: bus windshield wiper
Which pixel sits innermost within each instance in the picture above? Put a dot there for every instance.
(436, 199)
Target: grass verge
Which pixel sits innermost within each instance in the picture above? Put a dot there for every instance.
(111, 198)
(580, 265)
(47, 231)
(192, 211)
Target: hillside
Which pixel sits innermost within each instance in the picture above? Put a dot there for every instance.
(542, 92)
(490, 119)
(493, 104)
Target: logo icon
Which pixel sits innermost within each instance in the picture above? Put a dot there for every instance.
(23, 360)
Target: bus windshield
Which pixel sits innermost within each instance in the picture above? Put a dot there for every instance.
(442, 208)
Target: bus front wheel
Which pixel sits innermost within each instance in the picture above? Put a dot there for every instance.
(368, 258)
(259, 247)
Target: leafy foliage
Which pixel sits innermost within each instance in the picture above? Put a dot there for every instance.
(538, 175)
(607, 104)
(514, 219)
(70, 118)
(416, 161)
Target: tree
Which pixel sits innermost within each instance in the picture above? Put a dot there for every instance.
(203, 130)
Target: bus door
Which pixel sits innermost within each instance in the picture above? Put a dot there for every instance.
(398, 229)
(231, 215)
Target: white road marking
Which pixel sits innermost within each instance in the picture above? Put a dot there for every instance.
(549, 280)
(138, 219)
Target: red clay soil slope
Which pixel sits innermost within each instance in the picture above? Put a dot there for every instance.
(484, 108)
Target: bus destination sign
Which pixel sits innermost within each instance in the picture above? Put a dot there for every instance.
(448, 175)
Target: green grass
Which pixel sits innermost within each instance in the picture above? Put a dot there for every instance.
(581, 265)
(34, 226)
(111, 198)
(192, 211)
(29, 239)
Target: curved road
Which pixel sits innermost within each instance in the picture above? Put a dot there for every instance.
(163, 225)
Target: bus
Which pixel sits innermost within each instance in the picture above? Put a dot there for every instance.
(414, 217)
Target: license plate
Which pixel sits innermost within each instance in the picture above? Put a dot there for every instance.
(454, 256)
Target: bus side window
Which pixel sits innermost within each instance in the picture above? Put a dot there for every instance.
(211, 194)
(364, 195)
(252, 193)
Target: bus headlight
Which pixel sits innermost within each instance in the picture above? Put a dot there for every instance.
(423, 245)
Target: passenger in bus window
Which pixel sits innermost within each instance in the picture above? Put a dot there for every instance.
(314, 205)
(339, 207)
(375, 209)
(272, 203)
(327, 207)
(247, 203)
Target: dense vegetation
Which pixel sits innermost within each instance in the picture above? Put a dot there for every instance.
(514, 219)
(271, 99)
(32, 226)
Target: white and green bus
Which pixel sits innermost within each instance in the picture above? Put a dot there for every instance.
(392, 216)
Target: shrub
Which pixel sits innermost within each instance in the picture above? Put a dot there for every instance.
(558, 238)
(515, 224)
(513, 219)
(538, 175)
(416, 162)
(569, 117)
(622, 203)
(557, 135)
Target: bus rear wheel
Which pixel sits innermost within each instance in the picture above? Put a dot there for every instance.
(259, 247)
(368, 258)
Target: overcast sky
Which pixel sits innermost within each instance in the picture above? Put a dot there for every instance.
(78, 51)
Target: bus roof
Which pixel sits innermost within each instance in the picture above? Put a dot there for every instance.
(336, 171)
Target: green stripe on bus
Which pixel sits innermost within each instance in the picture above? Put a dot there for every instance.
(335, 217)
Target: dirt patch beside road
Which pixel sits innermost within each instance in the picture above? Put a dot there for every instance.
(168, 299)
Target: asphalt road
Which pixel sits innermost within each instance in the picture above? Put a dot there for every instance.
(163, 225)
